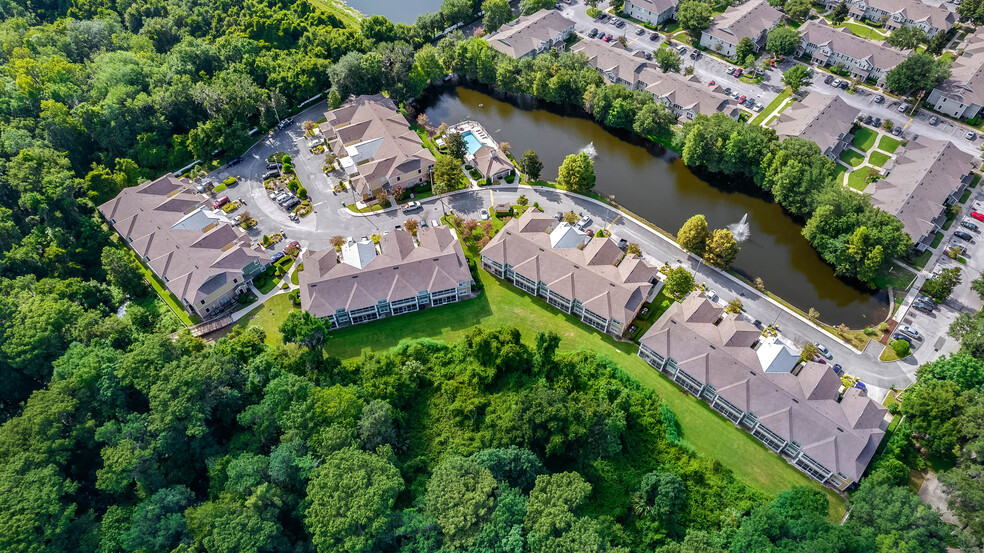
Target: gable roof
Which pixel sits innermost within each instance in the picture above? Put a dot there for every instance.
(489, 161)
(749, 19)
(528, 244)
(921, 178)
(615, 60)
(936, 16)
(654, 6)
(371, 131)
(399, 271)
(194, 249)
(966, 82)
(802, 408)
(528, 32)
(819, 117)
(843, 41)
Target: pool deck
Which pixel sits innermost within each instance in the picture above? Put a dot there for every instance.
(477, 130)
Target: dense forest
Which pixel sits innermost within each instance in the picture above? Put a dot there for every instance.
(118, 434)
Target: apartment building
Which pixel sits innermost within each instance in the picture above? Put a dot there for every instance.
(825, 119)
(931, 19)
(653, 12)
(864, 59)
(796, 409)
(753, 19)
(364, 282)
(375, 146)
(962, 95)
(922, 181)
(590, 278)
(532, 34)
(684, 96)
(204, 259)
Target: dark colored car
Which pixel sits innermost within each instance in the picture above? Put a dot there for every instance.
(829, 79)
(654, 37)
(920, 306)
(649, 55)
(969, 225)
(868, 120)
(963, 235)
(234, 161)
(273, 166)
(277, 257)
(271, 174)
(900, 336)
(593, 33)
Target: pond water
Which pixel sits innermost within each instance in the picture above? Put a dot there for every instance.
(397, 11)
(654, 183)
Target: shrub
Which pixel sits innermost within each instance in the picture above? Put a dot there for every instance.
(510, 178)
(893, 408)
(285, 159)
(302, 192)
(288, 168)
(265, 241)
(901, 348)
(293, 185)
(229, 181)
(883, 327)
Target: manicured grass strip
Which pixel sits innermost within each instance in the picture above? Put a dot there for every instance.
(841, 170)
(169, 298)
(771, 107)
(920, 261)
(367, 209)
(965, 197)
(878, 159)
(219, 188)
(857, 179)
(852, 158)
(864, 138)
(888, 144)
(502, 305)
(863, 31)
(937, 239)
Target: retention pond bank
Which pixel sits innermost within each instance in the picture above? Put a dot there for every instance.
(654, 183)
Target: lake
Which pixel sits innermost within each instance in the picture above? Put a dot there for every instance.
(397, 11)
(654, 183)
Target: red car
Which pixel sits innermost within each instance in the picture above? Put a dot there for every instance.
(742, 101)
(738, 72)
(608, 38)
(293, 244)
(710, 83)
(977, 215)
(220, 202)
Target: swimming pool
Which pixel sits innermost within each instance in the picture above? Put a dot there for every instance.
(471, 142)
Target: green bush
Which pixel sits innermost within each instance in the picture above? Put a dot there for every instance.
(893, 408)
(229, 181)
(302, 193)
(285, 159)
(288, 168)
(293, 185)
(265, 241)
(510, 178)
(901, 348)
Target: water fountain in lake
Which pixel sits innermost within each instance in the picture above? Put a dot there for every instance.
(590, 150)
(740, 230)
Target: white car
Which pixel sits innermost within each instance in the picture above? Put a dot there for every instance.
(906, 329)
(411, 206)
(823, 350)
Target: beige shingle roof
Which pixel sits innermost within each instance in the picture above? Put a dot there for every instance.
(744, 20)
(925, 172)
(490, 161)
(528, 32)
(399, 271)
(613, 59)
(195, 250)
(385, 141)
(937, 16)
(585, 274)
(966, 82)
(841, 435)
(821, 118)
(843, 41)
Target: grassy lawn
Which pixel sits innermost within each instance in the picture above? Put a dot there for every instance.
(973, 183)
(858, 179)
(922, 259)
(864, 138)
(169, 298)
(671, 27)
(852, 158)
(937, 239)
(771, 107)
(367, 209)
(965, 197)
(338, 8)
(888, 354)
(888, 144)
(501, 304)
(878, 159)
(841, 170)
(896, 276)
(863, 31)
(267, 316)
